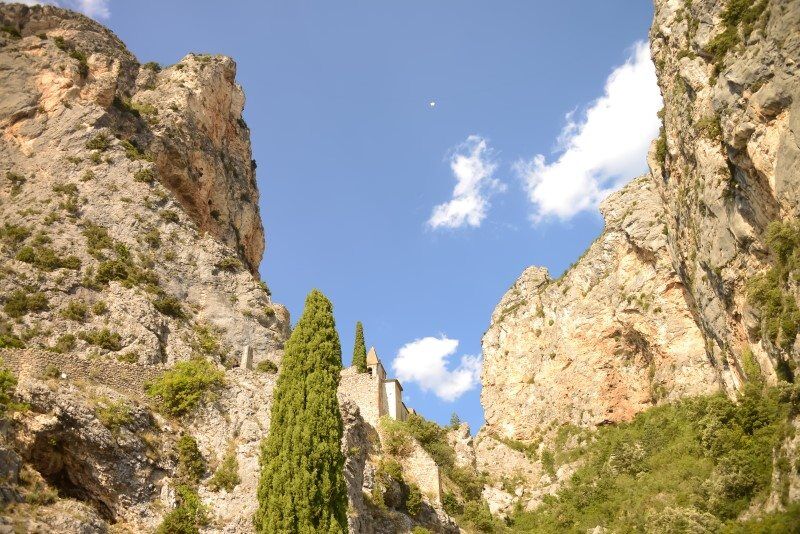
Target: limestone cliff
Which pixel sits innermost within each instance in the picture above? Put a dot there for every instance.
(131, 240)
(657, 308)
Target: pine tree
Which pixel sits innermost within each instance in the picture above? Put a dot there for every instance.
(360, 350)
(302, 488)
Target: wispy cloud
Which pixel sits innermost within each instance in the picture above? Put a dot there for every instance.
(473, 168)
(603, 148)
(427, 363)
(96, 9)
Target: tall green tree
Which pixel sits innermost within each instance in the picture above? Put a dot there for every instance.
(302, 488)
(360, 350)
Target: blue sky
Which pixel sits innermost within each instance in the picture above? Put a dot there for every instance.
(353, 159)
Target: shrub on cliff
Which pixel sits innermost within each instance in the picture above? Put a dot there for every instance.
(360, 350)
(7, 384)
(183, 387)
(302, 487)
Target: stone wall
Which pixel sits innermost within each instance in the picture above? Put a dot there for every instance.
(365, 391)
(420, 468)
(127, 378)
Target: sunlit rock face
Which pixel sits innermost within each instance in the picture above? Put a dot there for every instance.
(657, 309)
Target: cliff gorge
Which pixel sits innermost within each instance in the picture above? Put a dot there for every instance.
(672, 300)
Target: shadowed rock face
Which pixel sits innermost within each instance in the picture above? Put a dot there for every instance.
(657, 309)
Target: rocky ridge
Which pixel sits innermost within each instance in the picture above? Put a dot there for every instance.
(657, 308)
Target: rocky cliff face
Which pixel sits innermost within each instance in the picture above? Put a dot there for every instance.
(131, 240)
(658, 307)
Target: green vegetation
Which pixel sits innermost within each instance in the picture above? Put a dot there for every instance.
(170, 216)
(11, 31)
(191, 464)
(145, 176)
(465, 501)
(8, 339)
(75, 310)
(8, 383)
(103, 338)
(710, 127)
(152, 65)
(739, 19)
(360, 350)
(770, 293)
(227, 474)
(266, 366)
(47, 259)
(188, 516)
(113, 414)
(152, 238)
(180, 389)
(698, 462)
(229, 264)
(64, 343)
(21, 302)
(302, 487)
(391, 490)
(83, 63)
(169, 306)
(13, 235)
(99, 142)
(661, 146)
(132, 150)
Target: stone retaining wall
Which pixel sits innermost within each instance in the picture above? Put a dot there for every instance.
(127, 378)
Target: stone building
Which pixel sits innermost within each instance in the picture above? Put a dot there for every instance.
(377, 396)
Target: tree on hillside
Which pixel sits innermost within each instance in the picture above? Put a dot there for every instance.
(302, 486)
(360, 350)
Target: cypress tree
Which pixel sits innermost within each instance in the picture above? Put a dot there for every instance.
(302, 488)
(360, 350)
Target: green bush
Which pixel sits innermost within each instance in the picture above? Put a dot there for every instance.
(229, 264)
(188, 516)
(180, 389)
(478, 515)
(170, 216)
(64, 343)
(191, 464)
(413, 500)
(8, 339)
(8, 383)
(97, 239)
(266, 366)
(145, 175)
(47, 259)
(710, 127)
(21, 302)
(98, 142)
(113, 414)
(360, 350)
(661, 146)
(153, 238)
(99, 308)
(420, 530)
(103, 338)
(452, 505)
(395, 437)
(169, 306)
(227, 474)
(13, 235)
(75, 310)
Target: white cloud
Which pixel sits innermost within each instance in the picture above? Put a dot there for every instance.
(426, 362)
(601, 150)
(96, 9)
(473, 168)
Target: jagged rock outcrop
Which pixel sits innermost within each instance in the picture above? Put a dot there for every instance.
(657, 308)
(131, 239)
